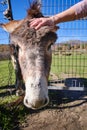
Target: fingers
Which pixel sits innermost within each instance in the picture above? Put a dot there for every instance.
(35, 22)
(39, 25)
(39, 22)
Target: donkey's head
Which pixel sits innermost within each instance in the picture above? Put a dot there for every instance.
(34, 57)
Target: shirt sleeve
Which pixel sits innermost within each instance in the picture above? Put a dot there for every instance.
(81, 9)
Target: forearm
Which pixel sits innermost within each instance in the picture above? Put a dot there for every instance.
(75, 12)
(64, 16)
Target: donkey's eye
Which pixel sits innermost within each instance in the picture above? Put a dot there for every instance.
(49, 46)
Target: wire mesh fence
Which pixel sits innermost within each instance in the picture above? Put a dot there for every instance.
(3, 35)
(6, 75)
(69, 61)
(69, 54)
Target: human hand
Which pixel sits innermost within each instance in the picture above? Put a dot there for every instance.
(39, 22)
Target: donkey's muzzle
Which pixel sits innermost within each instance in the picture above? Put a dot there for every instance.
(37, 104)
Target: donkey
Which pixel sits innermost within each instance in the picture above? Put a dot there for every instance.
(33, 56)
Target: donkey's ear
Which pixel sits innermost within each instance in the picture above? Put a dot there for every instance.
(11, 26)
(36, 4)
(39, 4)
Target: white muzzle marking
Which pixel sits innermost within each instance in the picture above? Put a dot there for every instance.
(36, 95)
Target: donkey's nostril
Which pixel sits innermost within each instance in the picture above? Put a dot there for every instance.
(36, 104)
(46, 101)
(26, 101)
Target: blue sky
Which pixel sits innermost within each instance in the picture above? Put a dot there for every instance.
(76, 30)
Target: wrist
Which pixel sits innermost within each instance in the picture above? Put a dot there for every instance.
(56, 19)
(52, 18)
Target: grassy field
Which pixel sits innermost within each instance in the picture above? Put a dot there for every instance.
(76, 64)
(6, 69)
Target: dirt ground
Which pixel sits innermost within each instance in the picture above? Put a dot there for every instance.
(65, 115)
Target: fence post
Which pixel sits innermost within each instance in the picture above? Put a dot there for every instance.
(8, 11)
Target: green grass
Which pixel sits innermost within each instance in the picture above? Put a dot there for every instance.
(7, 113)
(10, 118)
(5, 80)
(6, 69)
(76, 64)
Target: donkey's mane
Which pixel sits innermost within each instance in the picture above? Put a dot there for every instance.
(34, 10)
